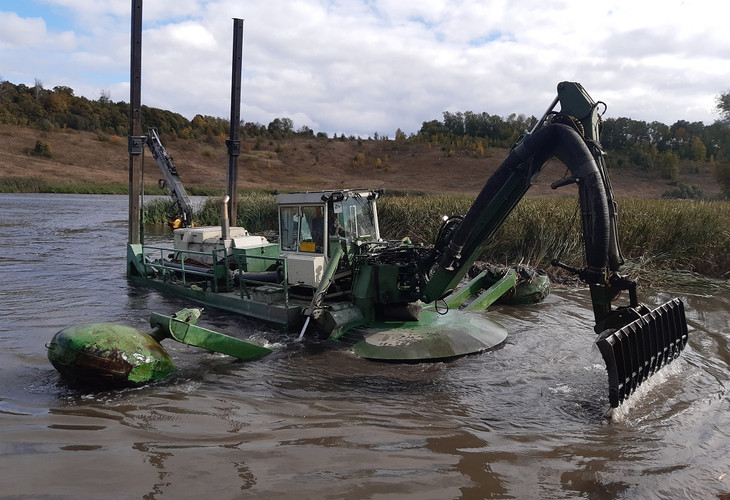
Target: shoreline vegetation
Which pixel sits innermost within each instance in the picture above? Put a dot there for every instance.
(662, 240)
(40, 185)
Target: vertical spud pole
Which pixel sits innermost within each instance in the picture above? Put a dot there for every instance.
(135, 141)
(233, 143)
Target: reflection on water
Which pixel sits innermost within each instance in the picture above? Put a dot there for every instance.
(313, 420)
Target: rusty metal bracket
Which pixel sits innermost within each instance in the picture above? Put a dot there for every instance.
(234, 147)
(135, 144)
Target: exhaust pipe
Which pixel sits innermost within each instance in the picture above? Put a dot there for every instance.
(225, 224)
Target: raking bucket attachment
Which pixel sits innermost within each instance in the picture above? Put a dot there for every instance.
(636, 351)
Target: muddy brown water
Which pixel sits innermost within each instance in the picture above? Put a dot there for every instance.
(314, 421)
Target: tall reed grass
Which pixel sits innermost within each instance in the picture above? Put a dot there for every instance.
(256, 211)
(10, 184)
(655, 235)
(537, 231)
(40, 185)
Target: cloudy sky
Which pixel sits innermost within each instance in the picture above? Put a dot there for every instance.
(366, 66)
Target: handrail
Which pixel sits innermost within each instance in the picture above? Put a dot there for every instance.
(182, 267)
(164, 265)
(239, 261)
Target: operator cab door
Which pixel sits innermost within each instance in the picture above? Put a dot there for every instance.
(303, 242)
(310, 222)
(302, 227)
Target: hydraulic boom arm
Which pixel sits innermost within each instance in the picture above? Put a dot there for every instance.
(634, 341)
(570, 135)
(172, 180)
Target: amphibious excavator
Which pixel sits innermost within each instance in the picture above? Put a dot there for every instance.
(331, 272)
(328, 272)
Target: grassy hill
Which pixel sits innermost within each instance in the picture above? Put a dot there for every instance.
(73, 158)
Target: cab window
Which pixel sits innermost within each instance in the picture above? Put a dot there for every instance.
(302, 229)
(359, 219)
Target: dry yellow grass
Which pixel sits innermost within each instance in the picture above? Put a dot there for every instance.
(292, 164)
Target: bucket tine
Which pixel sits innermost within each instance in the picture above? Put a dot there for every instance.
(652, 343)
(638, 350)
(616, 374)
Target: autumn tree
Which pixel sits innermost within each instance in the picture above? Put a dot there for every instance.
(668, 164)
(698, 150)
(400, 136)
(281, 127)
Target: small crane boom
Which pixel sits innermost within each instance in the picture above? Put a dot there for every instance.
(172, 181)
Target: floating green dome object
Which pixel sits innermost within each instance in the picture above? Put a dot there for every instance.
(108, 354)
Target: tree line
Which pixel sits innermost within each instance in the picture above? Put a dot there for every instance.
(640, 140)
(58, 108)
(647, 145)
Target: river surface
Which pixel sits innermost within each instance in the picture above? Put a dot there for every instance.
(314, 421)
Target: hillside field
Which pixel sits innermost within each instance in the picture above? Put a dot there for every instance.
(298, 163)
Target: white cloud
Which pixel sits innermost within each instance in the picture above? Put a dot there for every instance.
(364, 66)
(31, 33)
(20, 33)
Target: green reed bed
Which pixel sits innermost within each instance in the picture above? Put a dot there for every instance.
(678, 234)
(256, 212)
(40, 185)
(537, 231)
(159, 211)
(655, 235)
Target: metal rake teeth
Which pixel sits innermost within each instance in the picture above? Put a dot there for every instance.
(638, 350)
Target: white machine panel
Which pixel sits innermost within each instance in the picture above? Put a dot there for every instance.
(305, 269)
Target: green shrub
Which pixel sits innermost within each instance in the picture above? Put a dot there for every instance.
(684, 192)
(668, 164)
(42, 149)
(358, 161)
(722, 174)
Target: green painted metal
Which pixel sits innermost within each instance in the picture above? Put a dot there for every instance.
(250, 260)
(117, 355)
(575, 100)
(458, 297)
(275, 309)
(339, 318)
(435, 336)
(529, 292)
(494, 292)
(108, 354)
(505, 290)
(327, 276)
(333, 319)
(181, 327)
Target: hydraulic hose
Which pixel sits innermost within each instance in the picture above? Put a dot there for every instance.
(568, 146)
(494, 202)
